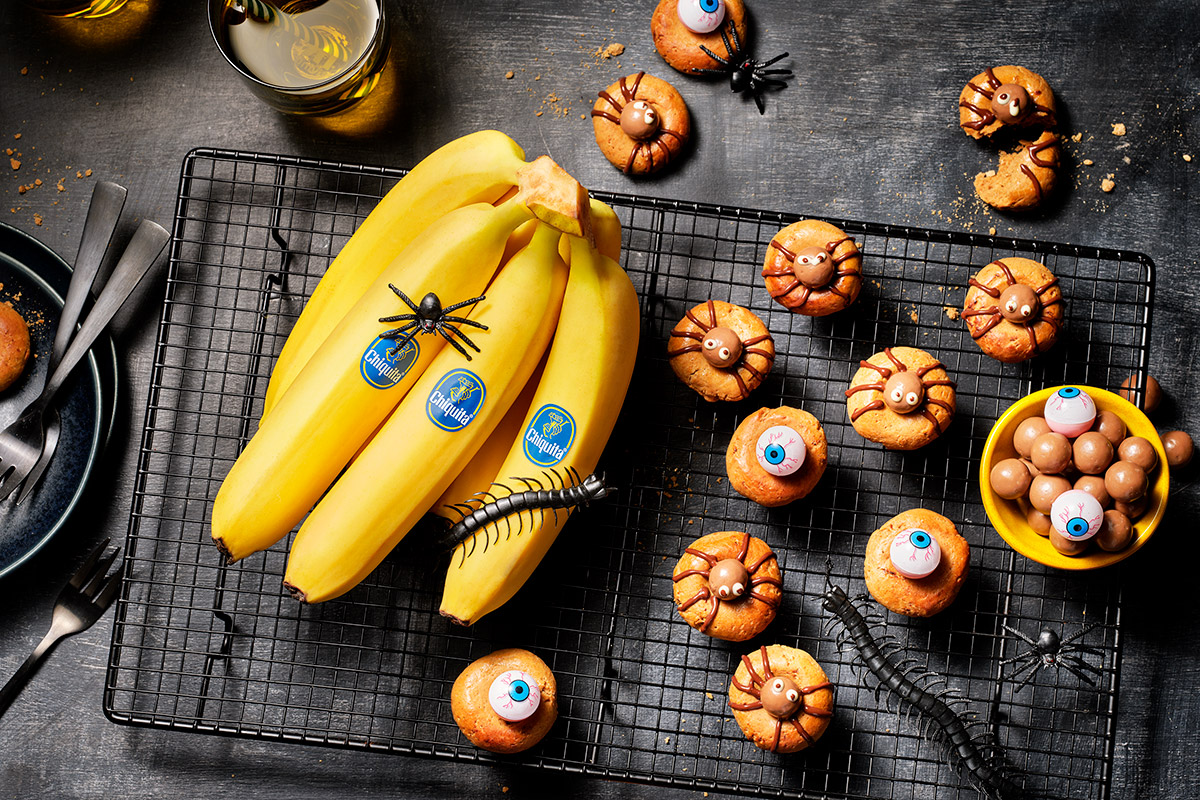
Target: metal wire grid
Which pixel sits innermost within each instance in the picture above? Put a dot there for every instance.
(202, 646)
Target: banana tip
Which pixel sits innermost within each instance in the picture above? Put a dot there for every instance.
(455, 620)
(297, 593)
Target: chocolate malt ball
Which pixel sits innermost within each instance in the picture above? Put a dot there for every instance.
(1051, 453)
(1116, 532)
(1179, 448)
(1010, 479)
(1138, 450)
(1126, 482)
(1026, 432)
(1092, 453)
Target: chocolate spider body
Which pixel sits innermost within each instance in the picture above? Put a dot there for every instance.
(814, 271)
(902, 390)
(723, 348)
(1016, 302)
(728, 581)
(431, 317)
(745, 74)
(1049, 650)
(779, 696)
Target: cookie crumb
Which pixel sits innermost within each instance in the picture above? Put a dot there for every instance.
(992, 232)
(952, 312)
(614, 49)
(1126, 160)
(1118, 129)
(14, 163)
(16, 136)
(1087, 162)
(37, 220)
(87, 173)
(504, 790)
(1107, 185)
(1077, 137)
(510, 75)
(914, 316)
(1187, 157)
(538, 114)
(24, 70)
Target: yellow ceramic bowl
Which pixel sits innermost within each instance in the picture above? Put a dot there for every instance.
(1007, 517)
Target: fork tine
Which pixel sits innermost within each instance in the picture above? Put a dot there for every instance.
(109, 591)
(85, 572)
(93, 585)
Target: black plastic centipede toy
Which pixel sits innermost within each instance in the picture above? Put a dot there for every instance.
(913, 687)
(485, 508)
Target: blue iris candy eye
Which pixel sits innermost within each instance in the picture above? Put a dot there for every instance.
(514, 695)
(915, 553)
(1069, 391)
(1077, 526)
(780, 450)
(920, 539)
(701, 16)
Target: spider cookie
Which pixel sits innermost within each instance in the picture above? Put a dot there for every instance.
(1002, 97)
(721, 350)
(916, 563)
(505, 702)
(1014, 309)
(641, 124)
(901, 398)
(781, 699)
(681, 28)
(727, 585)
(1024, 177)
(776, 456)
(813, 268)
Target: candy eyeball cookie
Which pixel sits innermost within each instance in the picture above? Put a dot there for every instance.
(776, 456)
(641, 124)
(1014, 309)
(721, 350)
(681, 27)
(1007, 96)
(781, 699)
(505, 702)
(813, 268)
(902, 398)
(727, 585)
(916, 563)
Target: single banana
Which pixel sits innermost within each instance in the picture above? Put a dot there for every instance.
(586, 377)
(477, 168)
(480, 470)
(434, 431)
(354, 380)
(607, 230)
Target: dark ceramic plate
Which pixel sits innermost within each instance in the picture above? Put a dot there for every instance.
(34, 280)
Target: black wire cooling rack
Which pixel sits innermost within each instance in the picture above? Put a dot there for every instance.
(202, 646)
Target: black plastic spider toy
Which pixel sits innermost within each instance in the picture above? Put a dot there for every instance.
(430, 317)
(1049, 650)
(745, 74)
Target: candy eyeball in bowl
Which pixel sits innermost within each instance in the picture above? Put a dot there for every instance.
(1073, 520)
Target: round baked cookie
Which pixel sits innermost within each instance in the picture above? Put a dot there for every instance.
(679, 45)
(14, 345)
(1007, 96)
(506, 701)
(727, 585)
(902, 398)
(898, 545)
(1024, 177)
(776, 455)
(781, 698)
(721, 350)
(1014, 308)
(813, 268)
(641, 123)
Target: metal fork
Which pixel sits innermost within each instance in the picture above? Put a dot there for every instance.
(82, 601)
(21, 442)
(104, 211)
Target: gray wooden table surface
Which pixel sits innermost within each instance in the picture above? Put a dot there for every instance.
(867, 130)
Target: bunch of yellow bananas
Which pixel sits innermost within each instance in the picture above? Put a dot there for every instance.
(372, 431)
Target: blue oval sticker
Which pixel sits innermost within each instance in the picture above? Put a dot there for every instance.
(549, 436)
(383, 367)
(456, 400)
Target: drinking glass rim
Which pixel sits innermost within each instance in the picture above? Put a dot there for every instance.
(214, 24)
